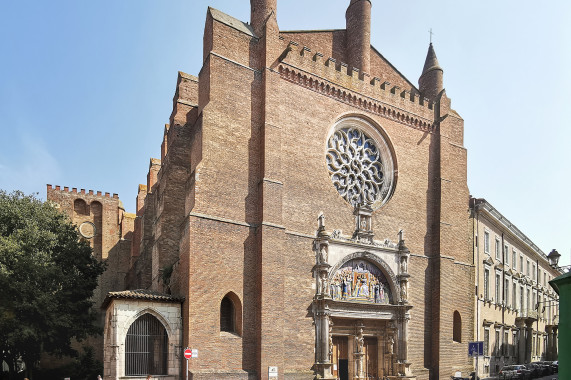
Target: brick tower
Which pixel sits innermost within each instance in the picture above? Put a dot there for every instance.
(103, 222)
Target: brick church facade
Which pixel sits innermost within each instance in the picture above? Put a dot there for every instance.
(309, 216)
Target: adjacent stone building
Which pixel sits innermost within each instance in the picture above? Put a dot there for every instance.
(516, 309)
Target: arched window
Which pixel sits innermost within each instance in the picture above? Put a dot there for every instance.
(227, 315)
(80, 207)
(146, 347)
(457, 329)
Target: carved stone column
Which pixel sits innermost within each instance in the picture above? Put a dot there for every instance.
(549, 347)
(359, 354)
(322, 321)
(392, 347)
(528, 340)
(403, 365)
(520, 341)
(403, 275)
(321, 267)
(321, 313)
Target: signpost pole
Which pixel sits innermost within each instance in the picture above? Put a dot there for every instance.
(476, 349)
(187, 356)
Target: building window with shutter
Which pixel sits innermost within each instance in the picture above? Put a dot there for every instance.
(486, 242)
(498, 288)
(486, 284)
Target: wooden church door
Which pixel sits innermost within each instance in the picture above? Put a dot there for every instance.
(340, 358)
(371, 351)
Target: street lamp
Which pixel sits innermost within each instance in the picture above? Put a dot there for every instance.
(553, 258)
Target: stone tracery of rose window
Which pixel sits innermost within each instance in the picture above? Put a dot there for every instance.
(355, 166)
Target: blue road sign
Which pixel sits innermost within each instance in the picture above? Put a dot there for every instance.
(475, 349)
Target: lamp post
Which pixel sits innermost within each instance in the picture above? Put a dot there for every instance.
(562, 286)
(553, 258)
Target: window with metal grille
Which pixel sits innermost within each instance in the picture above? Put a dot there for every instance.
(227, 315)
(146, 347)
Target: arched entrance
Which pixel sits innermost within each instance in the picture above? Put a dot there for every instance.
(360, 308)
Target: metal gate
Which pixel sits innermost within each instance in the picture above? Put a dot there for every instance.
(146, 347)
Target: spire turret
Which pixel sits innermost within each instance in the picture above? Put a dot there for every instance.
(431, 80)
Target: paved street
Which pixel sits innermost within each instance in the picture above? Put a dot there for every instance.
(550, 377)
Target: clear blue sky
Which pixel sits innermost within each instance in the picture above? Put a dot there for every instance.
(86, 88)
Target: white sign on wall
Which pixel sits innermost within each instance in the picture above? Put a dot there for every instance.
(273, 372)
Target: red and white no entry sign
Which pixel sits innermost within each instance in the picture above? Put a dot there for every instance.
(188, 353)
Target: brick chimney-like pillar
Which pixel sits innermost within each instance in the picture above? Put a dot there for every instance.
(259, 12)
(358, 21)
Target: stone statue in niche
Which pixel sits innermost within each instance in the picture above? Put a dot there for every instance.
(403, 293)
(403, 264)
(359, 340)
(323, 282)
(391, 345)
(360, 281)
(322, 254)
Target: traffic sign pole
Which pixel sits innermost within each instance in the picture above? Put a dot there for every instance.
(187, 355)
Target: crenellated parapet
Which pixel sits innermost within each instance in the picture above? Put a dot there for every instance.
(331, 78)
(82, 192)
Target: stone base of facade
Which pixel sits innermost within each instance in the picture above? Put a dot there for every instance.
(302, 375)
(221, 375)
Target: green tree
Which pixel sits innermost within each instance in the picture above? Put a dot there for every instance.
(47, 279)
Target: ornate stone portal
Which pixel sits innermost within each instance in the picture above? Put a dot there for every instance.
(360, 307)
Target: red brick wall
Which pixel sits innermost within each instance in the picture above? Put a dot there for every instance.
(111, 243)
(234, 201)
(257, 182)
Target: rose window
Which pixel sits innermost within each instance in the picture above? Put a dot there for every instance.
(358, 167)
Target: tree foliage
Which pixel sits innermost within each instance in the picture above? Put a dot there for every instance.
(47, 279)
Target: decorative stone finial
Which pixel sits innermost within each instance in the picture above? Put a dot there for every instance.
(321, 225)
